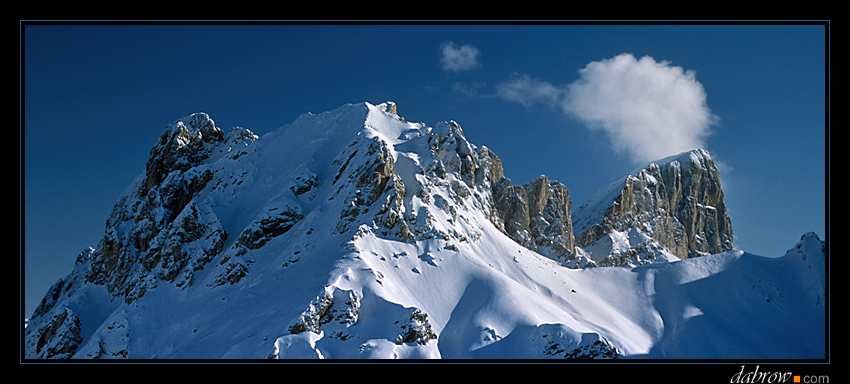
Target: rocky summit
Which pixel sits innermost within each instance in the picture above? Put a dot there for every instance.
(355, 234)
(671, 206)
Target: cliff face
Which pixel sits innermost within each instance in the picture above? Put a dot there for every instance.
(161, 229)
(678, 202)
(537, 216)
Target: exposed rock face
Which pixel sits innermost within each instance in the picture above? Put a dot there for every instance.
(369, 178)
(160, 228)
(184, 144)
(677, 201)
(537, 215)
(593, 347)
(416, 330)
(467, 171)
(59, 337)
(331, 305)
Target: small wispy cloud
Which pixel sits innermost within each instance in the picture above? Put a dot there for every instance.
(468, 89)
(528, 91)
(647, 109)
(459, 58)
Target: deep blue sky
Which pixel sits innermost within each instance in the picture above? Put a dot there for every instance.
(96, 98)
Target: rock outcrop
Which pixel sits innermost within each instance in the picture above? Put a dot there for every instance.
(537, 216)
(676, 201)
(161, 229)
(59, 336)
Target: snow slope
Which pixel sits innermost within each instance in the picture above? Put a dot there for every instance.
(416, 269)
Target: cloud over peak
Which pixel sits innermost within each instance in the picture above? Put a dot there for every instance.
(647, 109)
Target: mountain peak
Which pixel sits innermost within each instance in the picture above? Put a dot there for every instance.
(699, 158)
(677, 201)
(388, 107)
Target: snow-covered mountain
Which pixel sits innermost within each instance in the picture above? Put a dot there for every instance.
(355, 234)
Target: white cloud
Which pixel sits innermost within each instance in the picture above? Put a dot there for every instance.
(648, 109)
(461, 58)
(527, 91)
